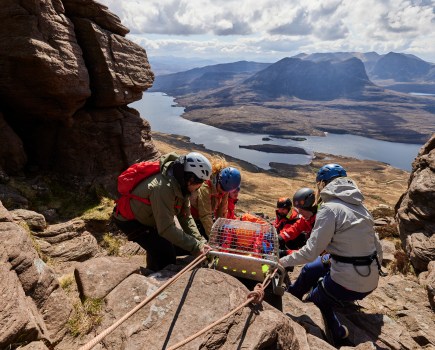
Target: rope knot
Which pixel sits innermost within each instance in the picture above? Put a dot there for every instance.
(257, 294)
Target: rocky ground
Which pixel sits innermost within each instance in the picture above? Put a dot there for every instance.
(80, 275)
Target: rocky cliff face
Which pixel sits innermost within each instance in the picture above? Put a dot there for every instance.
(416, 209)
(67, 73)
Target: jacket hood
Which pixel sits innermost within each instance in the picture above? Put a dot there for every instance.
(344, 189)
(166, 160)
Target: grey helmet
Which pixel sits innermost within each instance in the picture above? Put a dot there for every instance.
(304, 198)
(198, 164)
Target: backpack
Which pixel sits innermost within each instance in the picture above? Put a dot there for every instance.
(128, 180)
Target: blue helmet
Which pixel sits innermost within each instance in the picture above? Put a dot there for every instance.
(229, 178)
(330, 171)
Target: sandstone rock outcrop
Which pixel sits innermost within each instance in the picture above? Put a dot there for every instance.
(33, 304)
(67, 74)
(196, 300)
(416, 209)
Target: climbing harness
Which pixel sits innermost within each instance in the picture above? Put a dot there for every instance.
(361, 261)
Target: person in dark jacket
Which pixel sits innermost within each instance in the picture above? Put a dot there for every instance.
(285, 214)
(344, 229)
(295, 235)
(168, 192)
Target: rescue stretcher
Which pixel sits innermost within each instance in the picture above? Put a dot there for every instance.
(247, 250)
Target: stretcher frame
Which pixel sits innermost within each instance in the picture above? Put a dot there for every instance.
(245, 260)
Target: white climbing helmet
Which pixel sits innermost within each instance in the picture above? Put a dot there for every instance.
(199, 165)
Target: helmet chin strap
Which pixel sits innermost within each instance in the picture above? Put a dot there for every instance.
(178, 173)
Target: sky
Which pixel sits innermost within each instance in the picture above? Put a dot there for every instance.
(268, 30)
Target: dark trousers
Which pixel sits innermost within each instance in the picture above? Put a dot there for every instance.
(326, 294)
(160, 252)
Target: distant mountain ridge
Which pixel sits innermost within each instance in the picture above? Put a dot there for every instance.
(239, 82)
(404, 68)
(399, 67)
(209, 77)
(317, 76)
(308, 80)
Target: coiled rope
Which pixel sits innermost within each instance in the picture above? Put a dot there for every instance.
(109, 330)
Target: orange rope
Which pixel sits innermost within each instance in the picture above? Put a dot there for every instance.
(109, 330)
(256, 297)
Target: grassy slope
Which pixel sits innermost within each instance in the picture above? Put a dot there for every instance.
(380, 183)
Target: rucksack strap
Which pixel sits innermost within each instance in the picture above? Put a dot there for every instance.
(140, 199)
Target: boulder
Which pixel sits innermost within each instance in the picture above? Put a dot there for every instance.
(37, 280)
(97, 277)
(416, 209)
(388, 250)
(34, 220)
(307, 315)
(19, 318)
(36, 345)
(363, 346)
(194, 301)
(131, 248)
(60, 232)
(405, 302)
(78, 248)
(68, 241)
(427, 280)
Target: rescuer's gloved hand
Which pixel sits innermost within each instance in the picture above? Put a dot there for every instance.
(282, 253)
(281, 242)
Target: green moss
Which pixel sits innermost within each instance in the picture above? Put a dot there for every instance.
(376, 197)
(69, 202)
(112, 243)
(100, 212)
(85, 317)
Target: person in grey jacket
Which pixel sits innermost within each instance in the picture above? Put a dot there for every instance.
(350, 268)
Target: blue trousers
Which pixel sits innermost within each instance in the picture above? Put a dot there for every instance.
(325, 294)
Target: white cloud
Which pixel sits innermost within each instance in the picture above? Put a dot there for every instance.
(277, 27)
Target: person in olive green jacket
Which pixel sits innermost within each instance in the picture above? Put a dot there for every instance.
(211, 200)
(168, 191)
